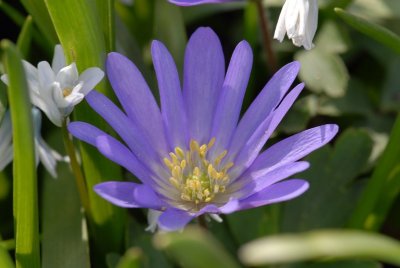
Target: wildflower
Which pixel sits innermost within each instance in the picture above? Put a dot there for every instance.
(299, 19)
(56, 89)
(193, 157)
(43, 152)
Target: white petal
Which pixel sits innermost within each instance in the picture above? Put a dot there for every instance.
(45, 74)
(49, 106)
(6, 152)
(90, 78)
(4, 78)
(280, 29)
(6, 157)
(32, 76)
(46, 156)
(58, 59)
(68, 76)
(152, 219)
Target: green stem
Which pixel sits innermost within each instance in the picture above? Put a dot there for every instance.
(76, 169)
(8, 244)
(266, 35)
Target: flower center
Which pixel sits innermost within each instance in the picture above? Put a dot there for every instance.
(197, 178)
(66, 91)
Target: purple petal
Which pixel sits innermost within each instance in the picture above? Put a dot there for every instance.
(85, 132)
(278, 192)
(172, 108)
(254, 182)
(136, 99)
(110, 148)
(132, 135)
(263, 105)
(120, 154)
(174, 219)
(129, 194)
(230, 102)
(254, 144)
(204, 70)
(197, 2)
(294, 148)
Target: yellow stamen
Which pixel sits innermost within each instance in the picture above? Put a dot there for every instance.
(197, 178)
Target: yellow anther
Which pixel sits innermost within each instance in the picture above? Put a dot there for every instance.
(174, 182)
(206, 192)
(176, 172)
(167, 163)
(210, 169)
(185, 197)
(179, 152)
(220, 157)
(194, 146)
(66, 92)
(216, 188)
(196, 172)
(174, 158)
(211, 143)
(208, 199)
(183, 164)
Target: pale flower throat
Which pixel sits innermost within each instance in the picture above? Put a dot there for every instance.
(197, 178)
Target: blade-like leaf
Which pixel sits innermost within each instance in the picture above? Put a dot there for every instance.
(25, 36)
(383, 187)
(65, 241)
(38, 11)
(373, 30)
(78, 28)
(337, 244)
(24, 167)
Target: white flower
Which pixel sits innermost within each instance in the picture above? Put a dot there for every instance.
(43, 152)
(56, 89)
(6, 149)
(299, 19)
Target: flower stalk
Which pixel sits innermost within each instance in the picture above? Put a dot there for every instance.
(76, 169)
(266, 36)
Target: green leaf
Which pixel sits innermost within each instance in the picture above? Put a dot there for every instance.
(25, 36)
(131, 259)
(194, 248)
(323, 72)
(13, 13)
(37, 9)
(336, 244)
(106, 11)
(332, 178)
(24, 166)
(374, 31)
(5, 259)
(383, 187)
(78, 28)
(64, 241)
(169, 28)
(332, 38)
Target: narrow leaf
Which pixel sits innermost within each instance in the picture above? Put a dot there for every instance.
(24, 167)
(383, 187)
(337, 244)
(373, 30)
(25, 37)
(65, 241)
(83, 42)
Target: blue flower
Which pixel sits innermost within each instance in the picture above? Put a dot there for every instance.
(195, 157)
